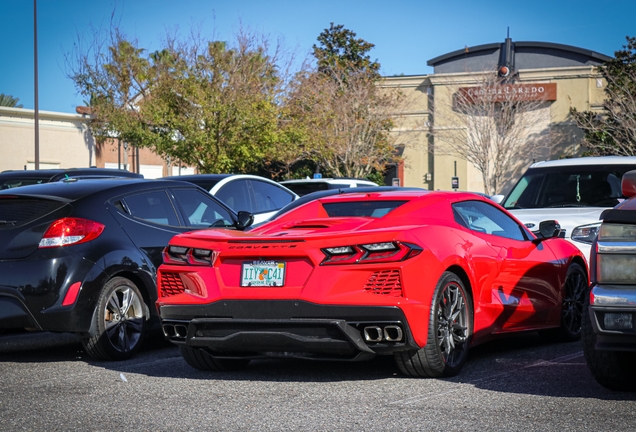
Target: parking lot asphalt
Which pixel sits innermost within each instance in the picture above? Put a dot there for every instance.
(49, 383)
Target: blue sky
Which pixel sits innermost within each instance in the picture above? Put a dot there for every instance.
(406, 34)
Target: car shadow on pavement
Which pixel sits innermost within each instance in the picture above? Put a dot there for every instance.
(527, 364)
(524, 364)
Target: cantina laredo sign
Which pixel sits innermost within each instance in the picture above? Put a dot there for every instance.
(509, 92)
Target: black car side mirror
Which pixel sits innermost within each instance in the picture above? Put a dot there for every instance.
(548, 229)
(244, 219)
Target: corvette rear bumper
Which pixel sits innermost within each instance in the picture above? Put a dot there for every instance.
(253, 329)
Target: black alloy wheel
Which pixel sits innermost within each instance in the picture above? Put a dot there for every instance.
(574, 292)
(452, 327)
(449, 333)
(120, 320)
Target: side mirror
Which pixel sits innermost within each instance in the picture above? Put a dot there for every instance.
(497, 198)
(549, 229)
(628, 184)
(244, 219)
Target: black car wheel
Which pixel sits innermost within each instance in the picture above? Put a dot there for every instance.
(120, 322)
(612, 369)
(449, 333)
(574, 291)
(201, 360)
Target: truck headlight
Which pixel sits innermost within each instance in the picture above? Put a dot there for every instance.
(616, 268)
(617, 232)
(616, 257)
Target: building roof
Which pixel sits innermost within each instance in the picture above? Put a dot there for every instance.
(528, 55)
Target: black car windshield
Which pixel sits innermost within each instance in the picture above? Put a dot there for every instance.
(375, 209)
(574, 186)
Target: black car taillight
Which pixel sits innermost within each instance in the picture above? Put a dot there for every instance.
(370, 253)
(70, 231)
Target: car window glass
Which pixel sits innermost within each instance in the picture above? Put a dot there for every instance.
(153, 207)
(481, 217)
(373, 209)
(579, 186)
(200, 210)
(307, 188)
(13, 183)
(236, 195)
(269, 197)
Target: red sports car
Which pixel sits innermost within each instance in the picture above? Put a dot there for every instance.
(419, 275)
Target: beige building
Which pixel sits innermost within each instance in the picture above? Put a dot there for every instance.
(65, 141)
(554, 77)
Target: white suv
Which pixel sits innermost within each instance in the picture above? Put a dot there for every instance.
(572, 191)
(306, 186)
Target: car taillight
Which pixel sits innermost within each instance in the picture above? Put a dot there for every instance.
(370, 253)
(181, 255)
(70, 231)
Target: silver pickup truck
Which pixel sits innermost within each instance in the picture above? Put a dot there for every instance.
(609, 316)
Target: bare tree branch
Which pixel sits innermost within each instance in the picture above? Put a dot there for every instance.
(492, 126)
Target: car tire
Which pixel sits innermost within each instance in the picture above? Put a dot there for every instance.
(449, 333)
(199, 359)
(611, 369)
(574, 290)
(120, 321)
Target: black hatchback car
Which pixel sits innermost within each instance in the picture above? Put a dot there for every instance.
(81, 256)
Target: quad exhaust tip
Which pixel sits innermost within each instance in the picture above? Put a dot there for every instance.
(175, 331)
(389, 333)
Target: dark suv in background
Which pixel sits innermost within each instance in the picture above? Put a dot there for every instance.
(609, 318)
(16, 178)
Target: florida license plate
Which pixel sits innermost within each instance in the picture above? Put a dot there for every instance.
(262, 273)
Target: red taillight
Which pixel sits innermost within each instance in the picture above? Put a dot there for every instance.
(70, 231)
(370, 253)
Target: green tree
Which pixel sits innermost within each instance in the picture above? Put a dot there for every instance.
(216, 110)
(612, 130)
(9, 101)
(209, 105)
(339, 50)
(343, 116)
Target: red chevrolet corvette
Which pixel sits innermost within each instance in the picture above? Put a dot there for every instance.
(419, 275)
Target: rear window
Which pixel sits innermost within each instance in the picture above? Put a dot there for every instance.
(577, 186)
(375, 209)
(17, 211)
